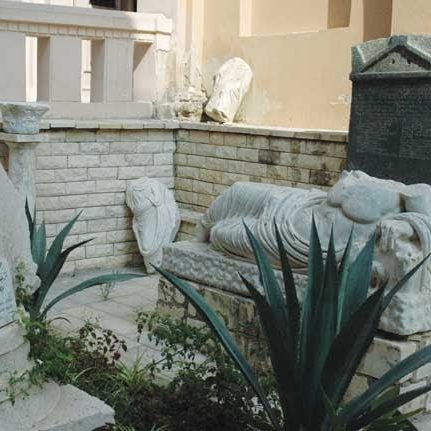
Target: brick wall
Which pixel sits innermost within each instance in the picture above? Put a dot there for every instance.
(209, 161)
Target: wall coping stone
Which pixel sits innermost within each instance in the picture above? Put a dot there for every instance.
(19, 137)
(246, 129)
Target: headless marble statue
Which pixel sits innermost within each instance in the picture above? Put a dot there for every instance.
(155, 218)
(400, 214)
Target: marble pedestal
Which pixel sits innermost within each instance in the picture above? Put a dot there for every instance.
(215, 276)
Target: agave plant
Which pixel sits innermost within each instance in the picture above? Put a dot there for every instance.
(316, 350)
(49, 264)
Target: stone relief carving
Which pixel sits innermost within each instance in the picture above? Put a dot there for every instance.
(400, 213)
(231, 83)
(156, 218)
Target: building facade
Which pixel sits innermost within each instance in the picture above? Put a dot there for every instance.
(126, 59)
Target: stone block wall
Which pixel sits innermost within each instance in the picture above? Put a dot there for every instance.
(87, 170)
(86, 166)
(209, 161)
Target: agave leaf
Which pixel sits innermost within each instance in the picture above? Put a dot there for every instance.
(342, 278)
(50, 277)
(101, 279)
(31, 220)
(349, 347)
(270, 284)
(386, 407)
(312, 295)
(292, 303)
(337, 425)
(357, 280)
(222, 333)
(324, 330)
(395, 421)
(279, 353)
(38, 246)
(359, 405)
(56, 248)
(403, 281)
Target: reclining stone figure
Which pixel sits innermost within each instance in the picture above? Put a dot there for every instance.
(400, 214)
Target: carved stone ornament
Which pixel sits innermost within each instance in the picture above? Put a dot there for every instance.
(22, 118)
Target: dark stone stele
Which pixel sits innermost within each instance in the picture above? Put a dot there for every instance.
(390, 122)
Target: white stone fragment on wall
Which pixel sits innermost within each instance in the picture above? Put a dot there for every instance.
(231, 83)
(401, 215)
(22, 118)
(156, 218)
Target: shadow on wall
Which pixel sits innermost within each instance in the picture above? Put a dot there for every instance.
(339, 13)
(377, 19)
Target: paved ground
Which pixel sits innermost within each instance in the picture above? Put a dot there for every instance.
(117, 313)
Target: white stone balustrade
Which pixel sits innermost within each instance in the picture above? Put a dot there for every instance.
(122, 63)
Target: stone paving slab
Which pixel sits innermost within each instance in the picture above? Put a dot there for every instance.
(117, 313)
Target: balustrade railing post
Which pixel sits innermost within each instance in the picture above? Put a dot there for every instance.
(59, 69)
(112, 70)
(12, 70)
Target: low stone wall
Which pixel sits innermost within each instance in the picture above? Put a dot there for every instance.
(86, 167)
(211, 158)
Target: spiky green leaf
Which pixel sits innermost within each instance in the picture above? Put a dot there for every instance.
(280, 352)
(222, 333)
(101, 279)
(31, 220)
(360, 405)
(56, 248)
(270, 285)
(386, 407)
(343, 272)
(349, 347)
(292, 303)
(403, 281)
(358, 280)
(38, 246)
(47, 279)
(312, 295)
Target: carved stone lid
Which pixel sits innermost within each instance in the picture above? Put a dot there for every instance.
(394, 57)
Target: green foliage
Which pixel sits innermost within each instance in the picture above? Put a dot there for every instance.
(49, 263)
(316, 351)
(207, 392)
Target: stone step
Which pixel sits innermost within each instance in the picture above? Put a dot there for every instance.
(27, 410)
(76, 411)
(423, 422)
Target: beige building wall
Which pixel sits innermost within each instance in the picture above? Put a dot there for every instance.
(300, 52)
(282, 16)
